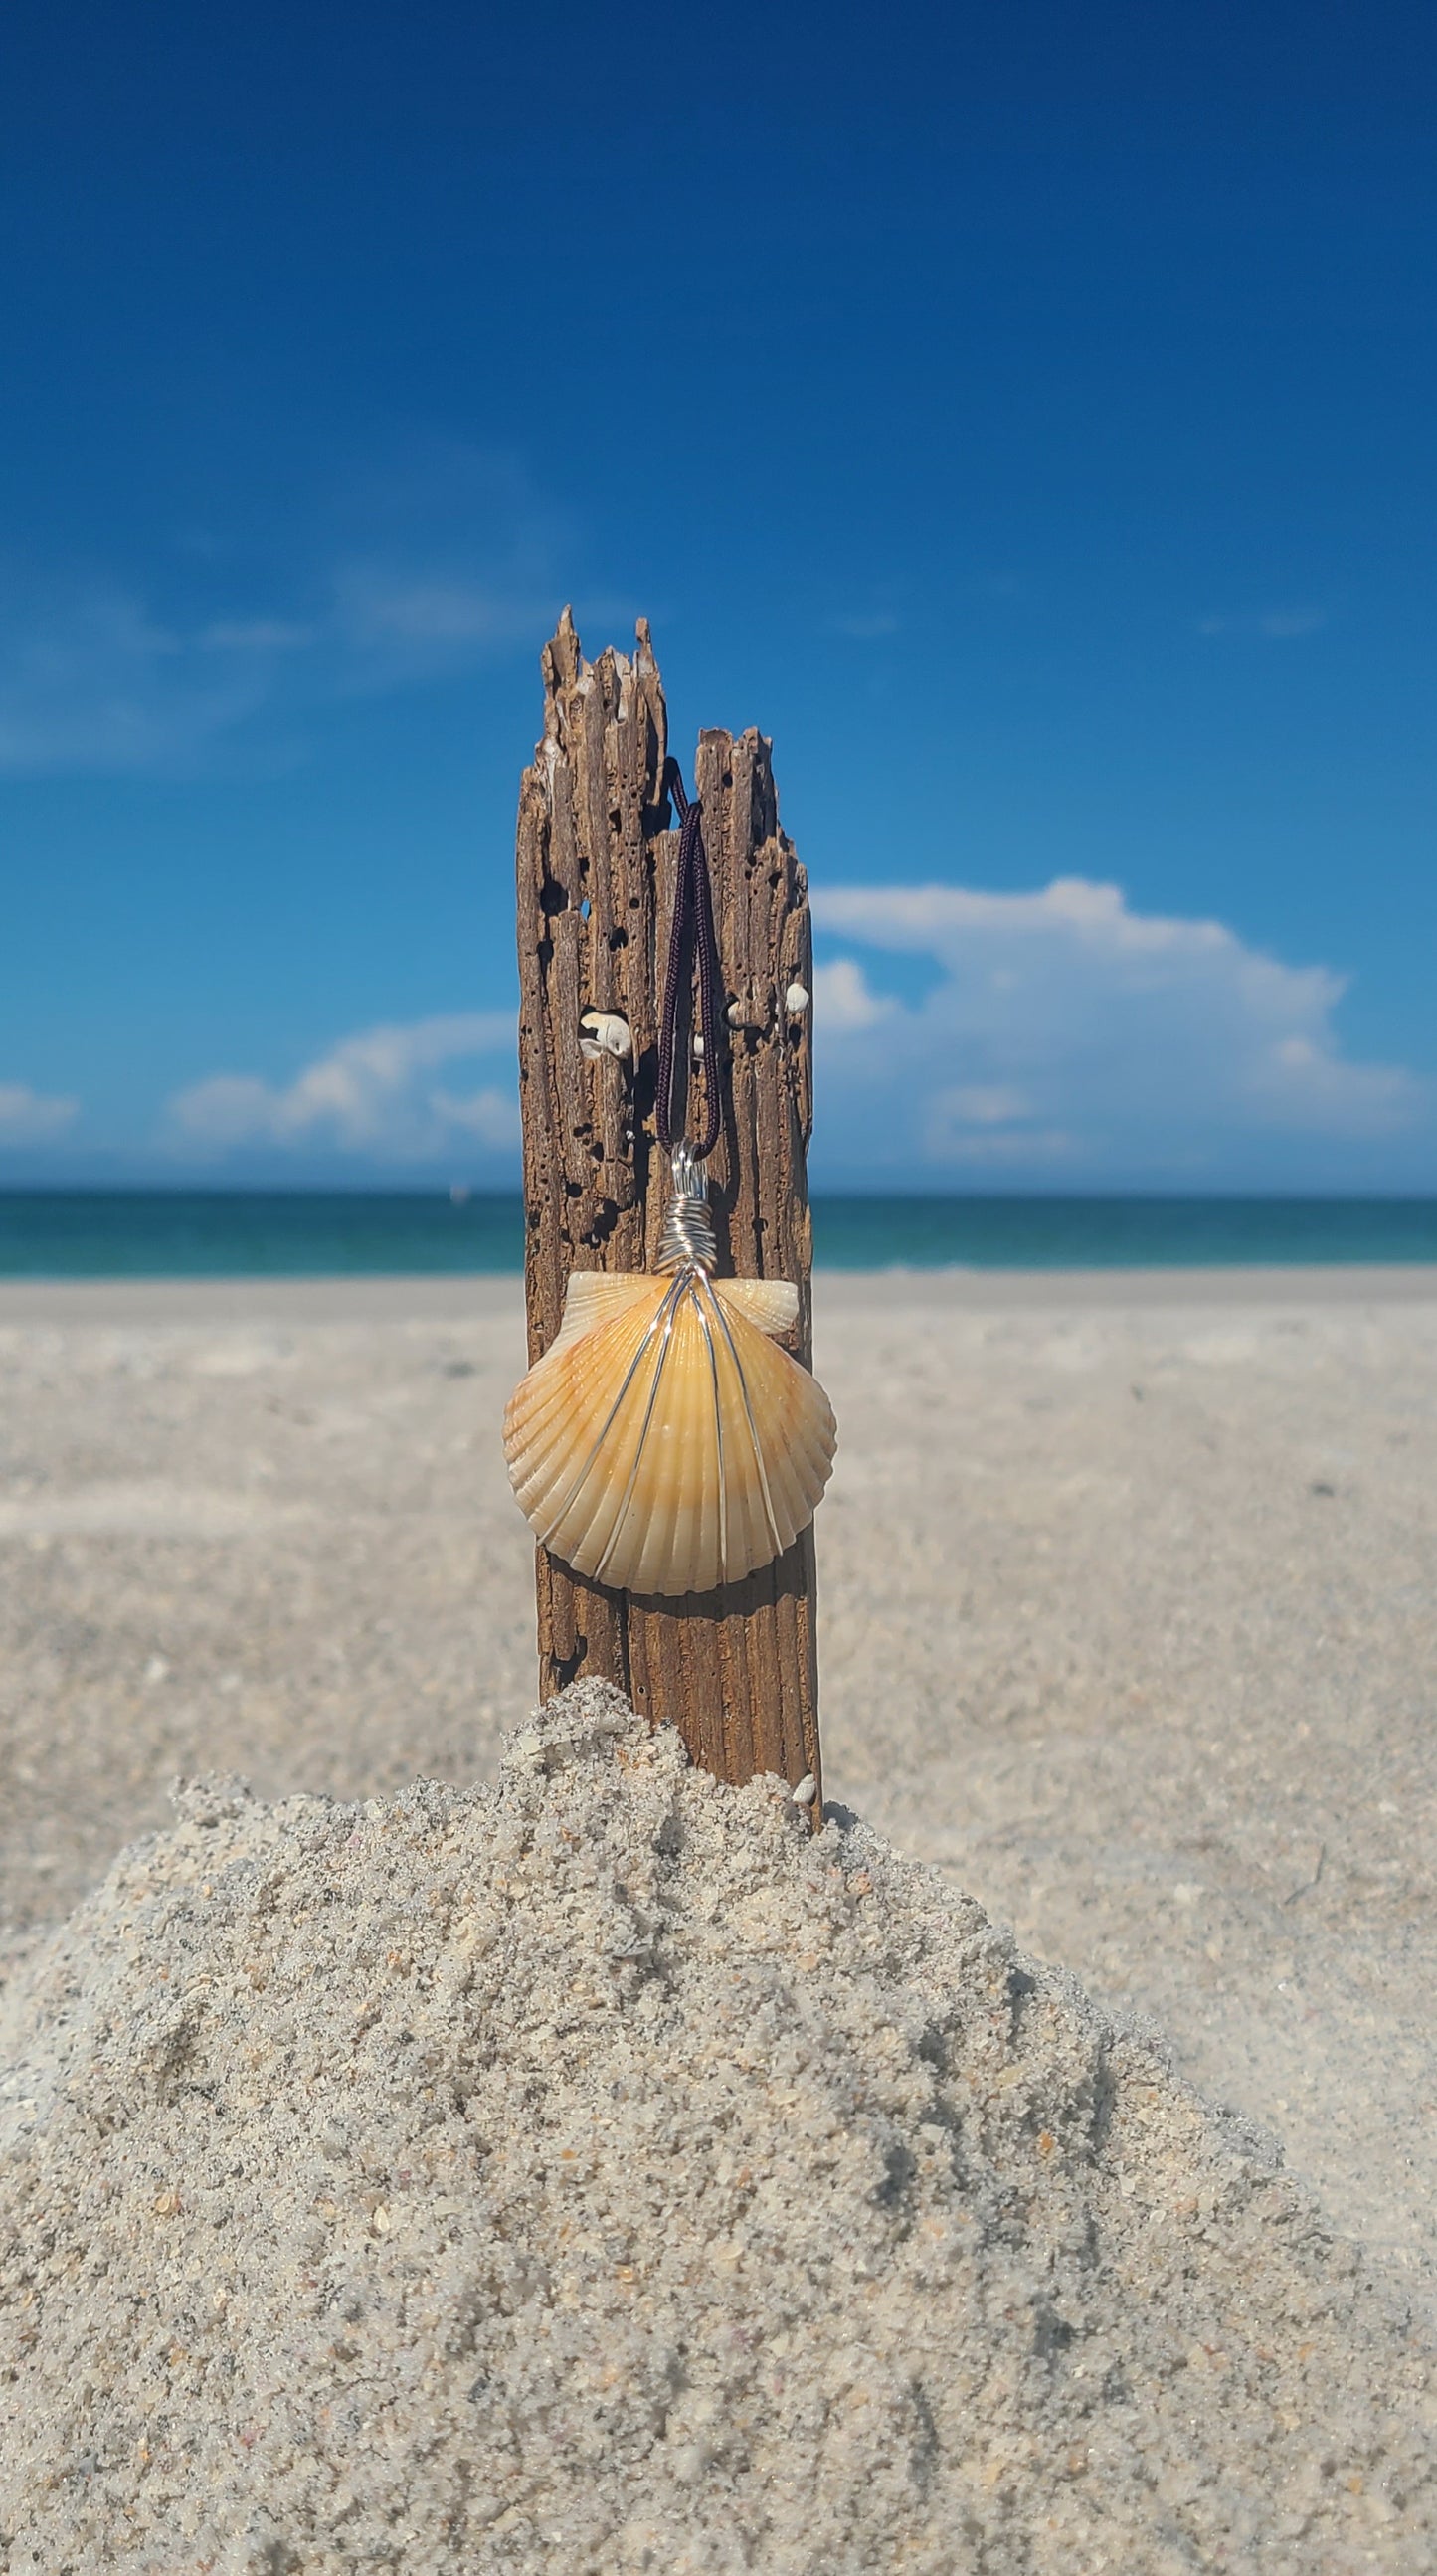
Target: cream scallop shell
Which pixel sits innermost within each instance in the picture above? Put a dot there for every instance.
(664, 1443)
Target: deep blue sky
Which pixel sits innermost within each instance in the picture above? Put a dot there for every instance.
(1025, 415)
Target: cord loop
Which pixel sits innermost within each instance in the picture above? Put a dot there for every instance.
(693, 948)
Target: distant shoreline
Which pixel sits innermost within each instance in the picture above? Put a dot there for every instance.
(30, 1303)
(218, 1235)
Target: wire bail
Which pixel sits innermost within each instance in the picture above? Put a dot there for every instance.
(688, 1231)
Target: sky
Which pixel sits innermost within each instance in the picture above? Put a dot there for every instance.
(1024, 415)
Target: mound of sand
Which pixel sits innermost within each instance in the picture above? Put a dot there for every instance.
(603, 2174)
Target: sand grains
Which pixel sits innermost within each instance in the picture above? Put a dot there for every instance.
(602, 2173)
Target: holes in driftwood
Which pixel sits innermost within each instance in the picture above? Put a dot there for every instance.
(605, 1220)
(747, 1017)
(553, 897)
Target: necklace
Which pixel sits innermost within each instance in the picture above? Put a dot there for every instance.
(666, 1442)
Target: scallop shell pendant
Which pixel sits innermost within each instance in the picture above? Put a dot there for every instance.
(665, 1443)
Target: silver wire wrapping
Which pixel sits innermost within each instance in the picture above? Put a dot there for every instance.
(688, 1233)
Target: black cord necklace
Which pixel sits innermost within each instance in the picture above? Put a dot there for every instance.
(693, 951)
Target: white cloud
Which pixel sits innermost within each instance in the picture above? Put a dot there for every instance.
(952, 1136)
(31, 1117)
(845, 998)
(370, 1095)
(1067, 1032)
(986, 1104)
(490, 1114)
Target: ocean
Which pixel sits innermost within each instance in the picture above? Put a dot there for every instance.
(207, 1234)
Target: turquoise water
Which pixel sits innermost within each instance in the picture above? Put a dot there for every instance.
(201, 1234)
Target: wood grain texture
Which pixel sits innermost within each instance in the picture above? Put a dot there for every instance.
(735, 1669)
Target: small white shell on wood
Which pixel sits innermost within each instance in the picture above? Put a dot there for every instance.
(604, 1033)
(665, 1443)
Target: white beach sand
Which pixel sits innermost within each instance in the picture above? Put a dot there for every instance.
(1129, 1615)
(606, 2176)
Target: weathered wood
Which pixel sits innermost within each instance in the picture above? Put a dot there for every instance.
(735, 1669)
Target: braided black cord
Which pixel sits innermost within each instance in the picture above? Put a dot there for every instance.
(692, 942)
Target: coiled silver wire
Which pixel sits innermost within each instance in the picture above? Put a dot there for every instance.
(688, 1234)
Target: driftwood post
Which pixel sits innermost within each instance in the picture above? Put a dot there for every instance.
(736, 1669)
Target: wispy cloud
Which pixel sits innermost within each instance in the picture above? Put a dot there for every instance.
(379, 605)
(864, 626)
(90, 679)
(256, 635)
(32, 1117)
(393, 625)
(373, 1094)
(1067, 1031)
(446, 557)
(1278, 623)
